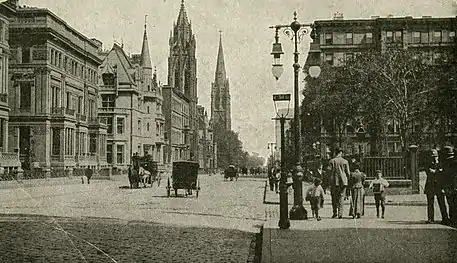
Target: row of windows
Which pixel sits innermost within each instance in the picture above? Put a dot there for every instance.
(109, 101)
(119, 153)
(330, 58)
(391, 36)
(350, 39)
(71, 66)
(81, 139)
(72, 101)
(120, 125)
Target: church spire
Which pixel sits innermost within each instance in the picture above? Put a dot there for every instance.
(145, 59)
(220, 64)
(182, 17)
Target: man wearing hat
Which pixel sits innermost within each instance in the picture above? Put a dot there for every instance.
(338, 182)
(433, 187)
(449, 181)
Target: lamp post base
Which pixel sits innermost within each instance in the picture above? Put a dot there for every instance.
(298, 212)
(284, 223)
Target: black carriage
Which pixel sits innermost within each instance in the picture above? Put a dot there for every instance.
(184, 176)
(231, 173)
(150, 167)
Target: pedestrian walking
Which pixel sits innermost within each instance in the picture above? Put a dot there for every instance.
(449, 182)
(378, 185)
(276, 172)
(88, 173)
(315, 196)
(434, 187)
(356, 181)
(338, 182)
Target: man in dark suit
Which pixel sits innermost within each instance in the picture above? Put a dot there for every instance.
(449, 182)
(338, 182)
(433, 187)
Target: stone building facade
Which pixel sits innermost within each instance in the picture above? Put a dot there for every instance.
(207, 149)
(335, 41)
(131, 104)
(181, 98)
(53, 93)
(9, 158)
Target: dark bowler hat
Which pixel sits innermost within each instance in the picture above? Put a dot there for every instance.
(378, 171)
(433, 153)
(448, 151)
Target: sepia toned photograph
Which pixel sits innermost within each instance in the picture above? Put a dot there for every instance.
(251, 131)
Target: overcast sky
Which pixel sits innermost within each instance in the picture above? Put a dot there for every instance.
(246, 38)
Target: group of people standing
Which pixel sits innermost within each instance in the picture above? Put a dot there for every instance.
(345, 180)
(441, 183)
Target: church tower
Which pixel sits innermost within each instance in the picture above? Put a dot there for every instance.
(182, 71)
(220, 94)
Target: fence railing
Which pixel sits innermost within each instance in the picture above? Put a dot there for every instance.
(391, 167)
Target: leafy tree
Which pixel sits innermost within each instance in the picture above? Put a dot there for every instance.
(373, 88)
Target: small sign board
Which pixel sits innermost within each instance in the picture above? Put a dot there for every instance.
(281, 97)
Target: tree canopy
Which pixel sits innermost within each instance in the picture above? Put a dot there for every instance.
(376, 89)
(230, 150)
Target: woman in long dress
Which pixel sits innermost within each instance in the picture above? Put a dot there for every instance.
(357, 192)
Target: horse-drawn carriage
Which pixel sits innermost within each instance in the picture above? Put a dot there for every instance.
(184, 176)
(145, 170)
(231, 173)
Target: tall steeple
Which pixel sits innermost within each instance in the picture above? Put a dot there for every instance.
(220, 93)
(182, 17)
(220, 64)
(145, 59)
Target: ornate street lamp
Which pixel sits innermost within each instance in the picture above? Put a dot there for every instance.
(295, 31)
(284, 222)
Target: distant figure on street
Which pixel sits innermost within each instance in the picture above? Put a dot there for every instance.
(378, 185)
(449, 182)
(315, 196)
(88, 173)
(434, 187)
(276, 173)
(338, 182)
(356, 181)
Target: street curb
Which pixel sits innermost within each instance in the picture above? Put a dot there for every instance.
(266, 245)
(403, 203)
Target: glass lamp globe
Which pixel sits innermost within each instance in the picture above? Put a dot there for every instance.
(314, 71)
(277, 70)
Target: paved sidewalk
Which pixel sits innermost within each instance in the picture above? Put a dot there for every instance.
(68, 180)
(402, 236)
(270, 197)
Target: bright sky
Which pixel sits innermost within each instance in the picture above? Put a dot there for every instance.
(246, 38)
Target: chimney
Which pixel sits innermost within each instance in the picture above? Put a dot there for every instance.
(338, 16)
(98, 43)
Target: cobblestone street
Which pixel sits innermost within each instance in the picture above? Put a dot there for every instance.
(102, 222)
(44, 239)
